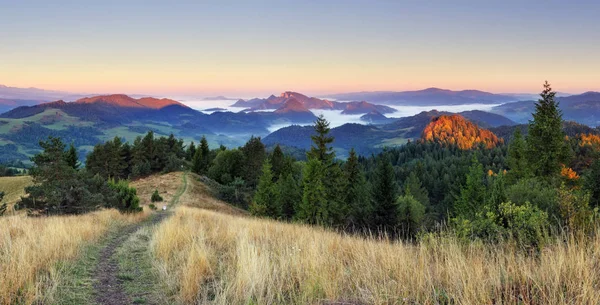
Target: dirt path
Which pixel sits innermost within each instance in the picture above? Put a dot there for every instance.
(108, 286)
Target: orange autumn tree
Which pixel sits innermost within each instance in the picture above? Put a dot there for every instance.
(456, 130)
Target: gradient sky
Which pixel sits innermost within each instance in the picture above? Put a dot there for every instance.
(244, 48)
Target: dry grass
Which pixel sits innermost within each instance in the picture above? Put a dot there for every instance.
(14, 188)
(198, 195)
(167, 186)
(209, 257)
(31, 247)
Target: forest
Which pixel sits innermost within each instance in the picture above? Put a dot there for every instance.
(539, 183)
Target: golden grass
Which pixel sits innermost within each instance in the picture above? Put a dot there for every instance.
(14, 188)
(31, 247)
(208, 257)
(198, 195)
(166, 184)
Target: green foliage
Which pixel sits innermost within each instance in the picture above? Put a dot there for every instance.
(313, 208)
(356, 194)
(254, 155)
(265, 199)
(197, 162)
(227, 165)
(592, 183)
(321, 149)
(152, 206)
(410, 213)
(289, 195)
(574, 209)
(127, 199)
(156, 197)
(414, 188)
(206, 159)
(71, 157)
(545, 140)
(384, 191)
(235, 193)
(517, 157)
(190, 152)
(472, 194)
(278, 162)
(537, 192)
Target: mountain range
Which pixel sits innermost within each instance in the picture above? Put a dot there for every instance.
(426, 97)
(277, 102)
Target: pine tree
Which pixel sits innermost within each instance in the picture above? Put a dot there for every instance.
(289, 195)
(313, 208)
(205, 154)
(265, 199)
(356, 194)
(592, 184)
(410, 215)
(517, 157)
(191, 151)
(414, 188)
(545, 140)
(278, 162)
(71, 157)
(321, 149)
(197, 162)
(254, 156)
(472, 194)
(384, 191)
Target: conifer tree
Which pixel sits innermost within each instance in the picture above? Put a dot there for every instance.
(414, 188)
(205, 154)
(356, 194)
(191, 151)
(517, 157)
(384, 192)
(278, 162)
(254, 156)
(545, 140)
(592, 184)
(197, 162)
(71, 157)
(313, 208)
(472, 194)
(265, 199)
(410, 215)
(289, 195)
(321, 149)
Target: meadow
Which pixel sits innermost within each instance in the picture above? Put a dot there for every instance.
(207, 257)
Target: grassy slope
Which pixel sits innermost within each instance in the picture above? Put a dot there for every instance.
(14, 188)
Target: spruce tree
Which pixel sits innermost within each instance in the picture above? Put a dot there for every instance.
(321, 149)
(265, 199)
(197, 162)
(517, 157)
(313, 208)
(278, 162)
(356, 194)
(289, 195)
(205, 154)
(254, 156)
(411, 213)
(592, 184)
(384, 192)
(414, 188)
(546, 140)
(191, 151)
(71, 157)
(472, 194)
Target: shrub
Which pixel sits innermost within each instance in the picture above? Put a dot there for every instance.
(152, 207)
(525, 223)
(156, 197)
(410, 214)
(127, 199)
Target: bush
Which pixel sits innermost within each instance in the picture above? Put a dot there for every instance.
(127, 199)
(156, 197)
(152, 207)
(410, 214)
(525, 223)
(536, 192)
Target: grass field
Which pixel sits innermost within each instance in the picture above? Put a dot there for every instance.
(208, 257)
(14, 188)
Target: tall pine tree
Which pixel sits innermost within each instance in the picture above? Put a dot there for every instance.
(205, 162)
(546, 140)
(472, 194)
(356, 194)
(517, 157)
(384, 193)
(313, 209)
(71, 157)
(265, 201)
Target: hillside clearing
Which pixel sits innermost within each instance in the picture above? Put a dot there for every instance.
(14, 188)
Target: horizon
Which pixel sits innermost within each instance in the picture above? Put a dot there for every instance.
(244, 49)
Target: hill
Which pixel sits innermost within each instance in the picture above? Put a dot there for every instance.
(582, 108)
(122, 100)
(456, 130)
(273, 102)
(427, 97)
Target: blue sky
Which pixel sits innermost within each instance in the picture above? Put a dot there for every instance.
(252, 47)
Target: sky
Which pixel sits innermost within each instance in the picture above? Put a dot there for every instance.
(252, 48)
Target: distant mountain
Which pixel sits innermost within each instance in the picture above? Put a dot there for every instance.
(487, 119)
(35, 94)
(582, 108)
(219, 98)
(375, 117)
(122, 100)
(7, 104)
(275, 102)
(427, 97)
(456, 130)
